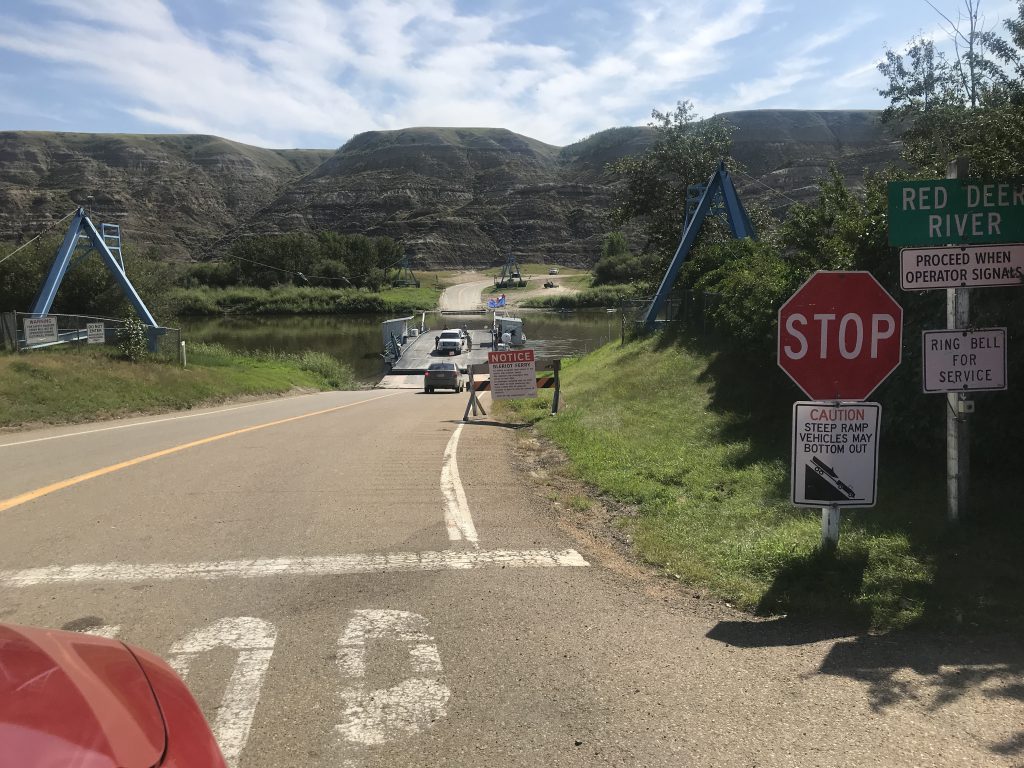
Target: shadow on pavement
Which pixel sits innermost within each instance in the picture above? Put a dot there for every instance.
(950, 666)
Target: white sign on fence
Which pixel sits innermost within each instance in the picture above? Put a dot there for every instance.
(835, 454)
(40, 330)
(96, 333)
(964, 361)
(513, 374)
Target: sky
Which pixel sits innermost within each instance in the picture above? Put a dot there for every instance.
(313, 73)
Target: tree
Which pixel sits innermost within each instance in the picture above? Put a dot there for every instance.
(967, 106)
(685, 151)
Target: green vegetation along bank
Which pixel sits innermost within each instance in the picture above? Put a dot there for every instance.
(293, 300)
(697, 449)
(69, 385)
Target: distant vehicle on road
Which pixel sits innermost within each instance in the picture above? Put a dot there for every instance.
(442, 375)
(553, 271)
(451, 342)
(72, 699)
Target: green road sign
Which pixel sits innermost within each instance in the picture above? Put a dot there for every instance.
(956, 211)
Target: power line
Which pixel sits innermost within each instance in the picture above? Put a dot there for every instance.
(25, 245)
(770, 189)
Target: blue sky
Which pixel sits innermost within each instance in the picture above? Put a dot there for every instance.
(311, 73)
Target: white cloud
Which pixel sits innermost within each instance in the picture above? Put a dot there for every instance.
(313, 68)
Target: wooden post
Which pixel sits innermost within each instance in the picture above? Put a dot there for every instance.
(958, 306)
(557, 365)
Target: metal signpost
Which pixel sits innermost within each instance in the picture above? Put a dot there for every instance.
(964, 361)
(975, 233)
(840, 336)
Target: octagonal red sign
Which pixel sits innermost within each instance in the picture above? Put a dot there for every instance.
(840, 335)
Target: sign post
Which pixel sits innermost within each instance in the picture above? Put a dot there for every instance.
(840, 336)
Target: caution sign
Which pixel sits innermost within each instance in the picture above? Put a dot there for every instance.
(964, 361)
(835, 454)
(513, 374)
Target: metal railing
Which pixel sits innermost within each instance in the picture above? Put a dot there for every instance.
(165, 343)
(691, 309)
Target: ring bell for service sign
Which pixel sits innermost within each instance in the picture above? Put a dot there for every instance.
(513, 374)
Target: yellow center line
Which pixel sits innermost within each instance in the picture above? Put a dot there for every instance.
(23, 498)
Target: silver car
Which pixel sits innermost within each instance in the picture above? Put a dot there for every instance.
(443, 375)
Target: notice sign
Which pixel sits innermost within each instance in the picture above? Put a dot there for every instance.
(964, 361)
(978, 266)
(513, 374)
(40, 330)
(95, 332)
(835, 454)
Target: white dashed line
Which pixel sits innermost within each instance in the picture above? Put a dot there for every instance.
(338, 565)
(457, 518)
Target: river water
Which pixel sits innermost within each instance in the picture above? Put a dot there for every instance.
(356, 339)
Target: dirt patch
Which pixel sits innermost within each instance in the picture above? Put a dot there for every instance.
(600, 526)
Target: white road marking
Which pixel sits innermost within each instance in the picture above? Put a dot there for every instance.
(338, 565)
(142, 423)
(373, 717)
(457, 518)
(254, 640)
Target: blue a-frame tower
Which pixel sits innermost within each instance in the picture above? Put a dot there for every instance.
(81, 225)
(717, 196)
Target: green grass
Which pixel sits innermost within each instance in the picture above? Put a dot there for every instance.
(64, 385)
(602, 296)
(694, 444)
(293, 300)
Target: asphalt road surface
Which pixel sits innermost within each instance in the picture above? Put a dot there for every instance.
(358, 579)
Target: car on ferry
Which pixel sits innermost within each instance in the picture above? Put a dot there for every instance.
(443, 375)
(450, 342)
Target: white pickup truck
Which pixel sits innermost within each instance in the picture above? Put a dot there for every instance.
(450, 343)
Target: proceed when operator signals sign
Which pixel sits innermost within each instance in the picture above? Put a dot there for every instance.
(835, 454)
(513, 374)
(975, 266)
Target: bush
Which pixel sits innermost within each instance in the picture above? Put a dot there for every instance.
(131, 339)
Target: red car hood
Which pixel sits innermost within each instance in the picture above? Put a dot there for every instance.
(74, 700)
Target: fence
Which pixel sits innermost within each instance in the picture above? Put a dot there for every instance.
(688, 308)
(73, 330)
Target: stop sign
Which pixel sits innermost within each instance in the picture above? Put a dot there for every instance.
(840, 335)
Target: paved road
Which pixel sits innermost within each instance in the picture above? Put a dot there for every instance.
(465, 295)
(357, 579)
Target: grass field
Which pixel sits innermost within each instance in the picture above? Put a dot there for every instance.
(687, 443)
(292, 300)
(67, 385)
